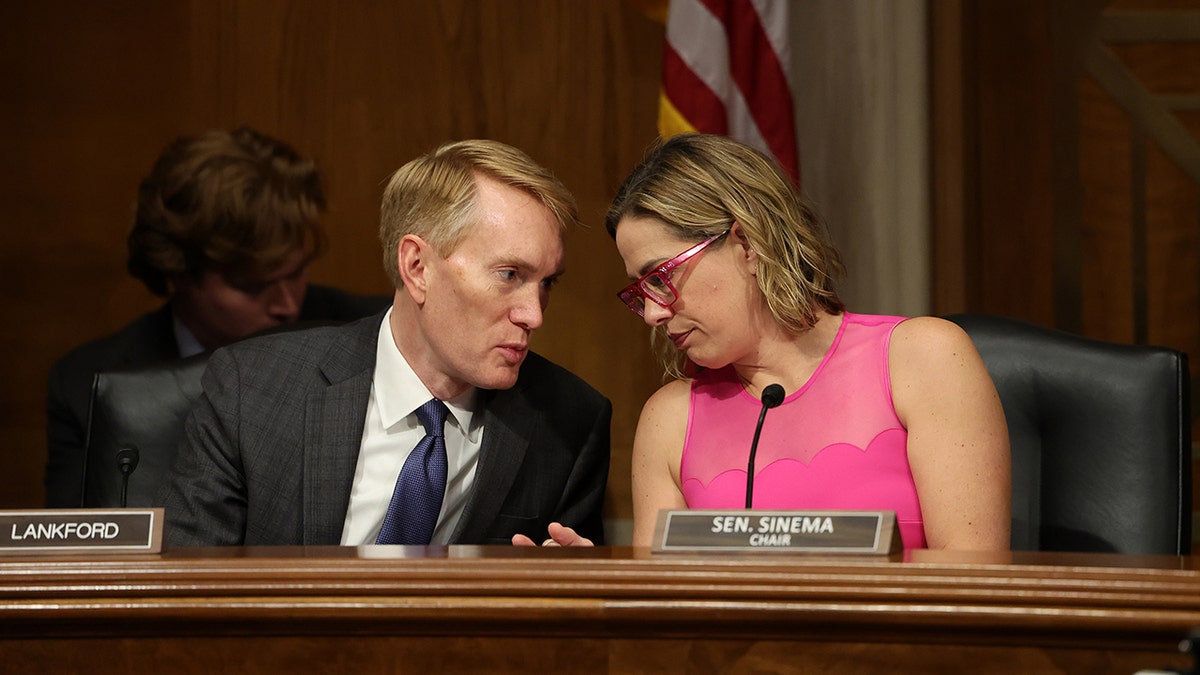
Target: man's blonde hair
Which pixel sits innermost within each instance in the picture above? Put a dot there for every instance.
(434, 195)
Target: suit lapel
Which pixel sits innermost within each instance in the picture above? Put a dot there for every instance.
(333, 420)
(508, 425)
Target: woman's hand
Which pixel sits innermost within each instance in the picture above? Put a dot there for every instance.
(560, 535)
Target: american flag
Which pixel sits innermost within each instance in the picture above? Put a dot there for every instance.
(725, 71)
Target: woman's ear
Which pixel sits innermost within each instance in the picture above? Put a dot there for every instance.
(737, 235)
(412, 258)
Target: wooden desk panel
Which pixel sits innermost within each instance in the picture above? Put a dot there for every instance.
(467, 609)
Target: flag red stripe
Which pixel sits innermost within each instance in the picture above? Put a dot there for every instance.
(691, 96)
(758, 73)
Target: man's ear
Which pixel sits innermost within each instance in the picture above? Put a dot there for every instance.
(412, 257)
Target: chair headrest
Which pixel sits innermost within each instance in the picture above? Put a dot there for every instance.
(140, 408)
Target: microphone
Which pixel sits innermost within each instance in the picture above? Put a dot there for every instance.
(772, 396)
(127, 461)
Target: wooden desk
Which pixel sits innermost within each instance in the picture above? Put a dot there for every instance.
(496, 609)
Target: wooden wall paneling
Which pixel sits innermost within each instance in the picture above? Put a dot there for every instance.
(90, 95)
(1107, 173)
(1014, 89)
(1188, 321)
(362, 87)
(1170, 209)
(957, 250)
(1072, 26)
(950, 166)
(494, 654)
(1141, 79)
(1172, 243)
(390, 96)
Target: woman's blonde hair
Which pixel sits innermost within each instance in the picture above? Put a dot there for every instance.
(700, 185)
(433, 196)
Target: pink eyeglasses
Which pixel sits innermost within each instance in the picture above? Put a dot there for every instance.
(656, 284)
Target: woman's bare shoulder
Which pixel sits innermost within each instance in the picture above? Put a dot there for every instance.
(926, 339)
(673, 393)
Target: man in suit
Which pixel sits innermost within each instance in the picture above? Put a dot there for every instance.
(225, 226)
(307, 437)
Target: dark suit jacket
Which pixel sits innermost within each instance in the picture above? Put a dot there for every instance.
(272, 445)
(148, 339)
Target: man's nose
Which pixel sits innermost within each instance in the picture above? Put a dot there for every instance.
(284, 301)
(529, 312)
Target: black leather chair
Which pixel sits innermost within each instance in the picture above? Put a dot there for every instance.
(1100, 434)
(143, 409)
(140, 409)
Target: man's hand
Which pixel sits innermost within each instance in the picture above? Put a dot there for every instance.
(560, 535)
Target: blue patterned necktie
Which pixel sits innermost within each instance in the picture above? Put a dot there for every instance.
(417, 499)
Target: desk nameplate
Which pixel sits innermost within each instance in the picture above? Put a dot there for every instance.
(830, 532)
(81, 531)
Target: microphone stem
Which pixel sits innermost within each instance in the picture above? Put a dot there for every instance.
(750, 465)
(124, 485)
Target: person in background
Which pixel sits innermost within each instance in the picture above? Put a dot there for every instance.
(429, 423)
(225, 226)
(733, 273)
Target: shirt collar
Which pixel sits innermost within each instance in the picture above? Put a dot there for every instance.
(398, 390)
(187, 343)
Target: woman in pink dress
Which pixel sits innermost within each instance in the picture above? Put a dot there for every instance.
(733, 273)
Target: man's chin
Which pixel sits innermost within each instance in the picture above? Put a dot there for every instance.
(499, 378)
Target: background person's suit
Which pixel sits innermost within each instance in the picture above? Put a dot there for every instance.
(148, 339)
(272, 446)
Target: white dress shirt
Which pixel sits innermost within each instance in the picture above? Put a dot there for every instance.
(186, 342)
(391, 431)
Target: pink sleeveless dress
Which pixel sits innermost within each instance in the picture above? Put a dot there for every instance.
(836, 444)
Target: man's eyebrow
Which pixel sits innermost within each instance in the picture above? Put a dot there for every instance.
(526, 265)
